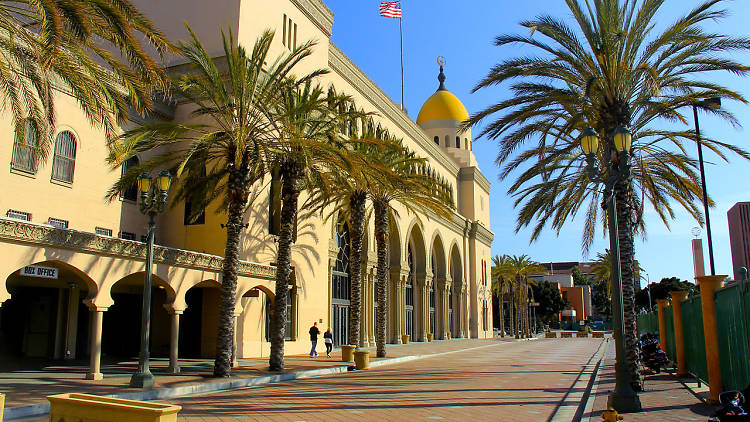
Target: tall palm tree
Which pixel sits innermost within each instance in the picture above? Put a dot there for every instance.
(94, 49)
(405, 180)
(520, 268)
(306, 122)
(611, 69)
(220, 158)
(500, 283)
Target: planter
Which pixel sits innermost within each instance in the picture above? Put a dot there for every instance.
(598, 334)
(347, 353)
(91, 408)
(448, 335)
(582, 334)
(566, 334)
(551, 334)
(430, 336)
(361, 359)
(404, 338)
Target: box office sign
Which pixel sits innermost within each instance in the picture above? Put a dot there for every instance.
(37, 271)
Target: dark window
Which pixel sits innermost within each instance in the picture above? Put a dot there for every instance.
(58, 223)
(101, 231)
(200, 219)
(18, 215)
(131, 194)
(341, 267)
(64, 161)
(127, 235)
(24, 152)
(458, 142)
(290, 317)
(437, 140)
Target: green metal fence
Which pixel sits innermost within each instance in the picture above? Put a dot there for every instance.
(670, 346)
(732, 305)
(695, 342)
(648, 323)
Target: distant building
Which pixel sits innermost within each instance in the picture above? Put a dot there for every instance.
(579, 297)
(739, 236)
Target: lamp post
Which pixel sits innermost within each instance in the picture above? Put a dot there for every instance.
(623, 399)
(709, 102)
(648, 287)
(153, 201)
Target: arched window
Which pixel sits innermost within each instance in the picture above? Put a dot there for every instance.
(447, 140)
(458, 142)
(131, 194)
(340, 289)
(437, 140)
(24, 157)
(64, 161)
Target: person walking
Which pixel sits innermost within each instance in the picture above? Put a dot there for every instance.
(328, 338)
(314, 333)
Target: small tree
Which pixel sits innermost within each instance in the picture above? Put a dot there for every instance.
(551, 302)
(661, 290)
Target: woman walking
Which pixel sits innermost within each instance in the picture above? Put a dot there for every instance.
(328, 338)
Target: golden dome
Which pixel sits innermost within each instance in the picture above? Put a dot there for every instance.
(442, 105)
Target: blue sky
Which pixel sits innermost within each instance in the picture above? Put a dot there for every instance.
(463, 32)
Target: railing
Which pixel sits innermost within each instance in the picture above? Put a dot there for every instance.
(732, 328)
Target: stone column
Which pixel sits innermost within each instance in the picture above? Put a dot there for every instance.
(364, 308)
(423, 308)
(395, 307)
(679, 338)
(661, 305)
(174, 340)
(71, 329)
(95, 343)
(444, 303)
(372, 326)
(708, 285)
(235, 362)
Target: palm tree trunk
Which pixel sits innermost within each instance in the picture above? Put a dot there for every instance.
(381, 239)
(357, 203)
(291, 175)
(625, 223)
(511, 311)
(225, 332)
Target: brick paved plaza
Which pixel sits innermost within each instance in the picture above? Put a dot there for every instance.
(465, 380)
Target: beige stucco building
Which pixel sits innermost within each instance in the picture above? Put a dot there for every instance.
(72, 264)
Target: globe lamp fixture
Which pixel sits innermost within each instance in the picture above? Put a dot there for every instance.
(589, 141)
(623, 139)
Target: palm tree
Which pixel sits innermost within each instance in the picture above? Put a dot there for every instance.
(500, 280)
(405, 180)
(306, 122)
(94, 49)
(611, 70)
(221, 158)
(519, 268)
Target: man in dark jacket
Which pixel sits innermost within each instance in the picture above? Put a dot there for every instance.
(314, 333)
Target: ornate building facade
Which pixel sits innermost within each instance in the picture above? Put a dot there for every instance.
(71, 276)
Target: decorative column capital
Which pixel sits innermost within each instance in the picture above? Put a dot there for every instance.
(678, 296)
(712, 282)
(662, 302)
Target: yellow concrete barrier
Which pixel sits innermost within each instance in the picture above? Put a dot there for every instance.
(2, 405)
(582, 334)
(598, 334)
(347, 352)
(430, 336)
(566, 334)
(404, 339)
(361, 359)
(74, 407)
(551, 334)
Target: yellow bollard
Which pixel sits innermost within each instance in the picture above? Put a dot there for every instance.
(708, 285)
(661, 304)
(2, 405)
(679, 338)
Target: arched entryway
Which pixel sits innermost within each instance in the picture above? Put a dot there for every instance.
(199, 321)
(436, 289)
(454, 299)
(121, 330)
(45, 317)
(415, 293)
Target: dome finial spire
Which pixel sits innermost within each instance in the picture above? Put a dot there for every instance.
(441, 76)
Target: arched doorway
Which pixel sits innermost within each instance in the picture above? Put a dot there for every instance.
(341, 286)
(437, 303)
(200, 321)
(415, 293)
(454, 300)
(409, 293)
(121, 330)
(45, 317)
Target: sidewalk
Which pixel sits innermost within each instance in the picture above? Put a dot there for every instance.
(665, 397)
(30, 387)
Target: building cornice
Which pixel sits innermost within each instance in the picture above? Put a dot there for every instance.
(318, 13)
(481, 233)
(42, 235)
(344, 67)
(473, 173)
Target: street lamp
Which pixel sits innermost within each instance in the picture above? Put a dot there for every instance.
(623, 399)
(153, 201)
(714, 102)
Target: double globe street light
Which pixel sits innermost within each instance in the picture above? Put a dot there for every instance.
(624, 399)
(153, 202)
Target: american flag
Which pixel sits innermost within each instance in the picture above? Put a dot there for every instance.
(390, 9)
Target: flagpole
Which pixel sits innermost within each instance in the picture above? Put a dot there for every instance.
(401, 35)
